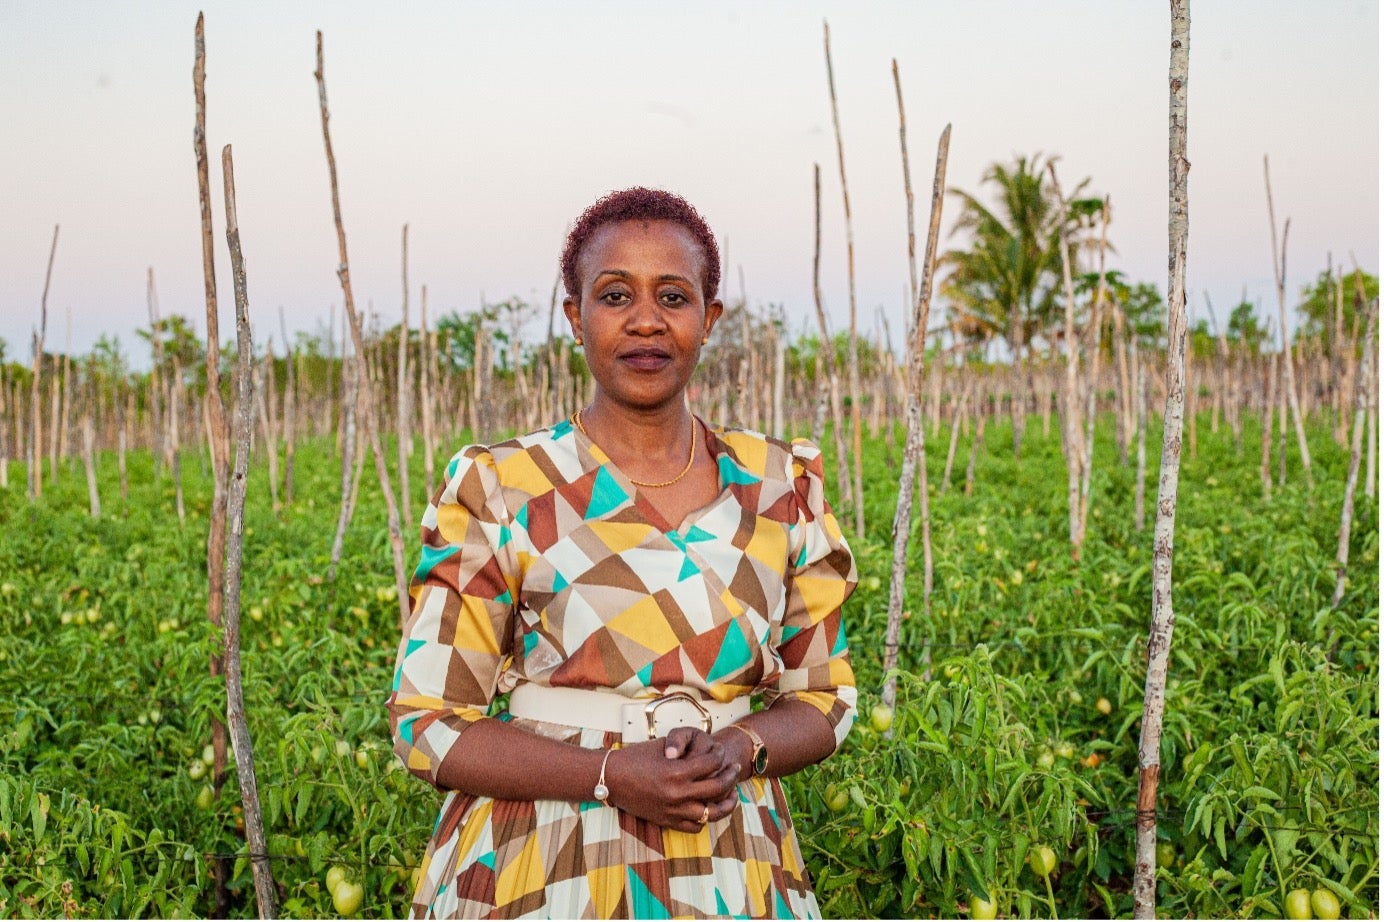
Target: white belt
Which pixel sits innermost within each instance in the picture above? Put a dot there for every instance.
(635, 719)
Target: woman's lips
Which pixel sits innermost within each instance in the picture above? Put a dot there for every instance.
(646, 359)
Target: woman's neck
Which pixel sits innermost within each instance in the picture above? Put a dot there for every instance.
(652, 434)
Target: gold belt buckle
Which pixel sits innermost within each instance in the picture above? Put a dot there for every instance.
(650, 717)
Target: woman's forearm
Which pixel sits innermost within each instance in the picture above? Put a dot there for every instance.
(795, 735)
(682, 781)
(492, 758)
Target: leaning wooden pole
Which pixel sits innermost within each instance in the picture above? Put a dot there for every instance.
(913, 470)
(401, 396)
(372, 429)
(35, 414)
(1072, 446)
(265, 894)
(1280, 274)
(852, 356)
(1357, 438)
(827, 350)
(219, 438)
(1161, 627)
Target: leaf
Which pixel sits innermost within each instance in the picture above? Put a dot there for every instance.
(38, 814)
(1254, 868)
(1263, 793)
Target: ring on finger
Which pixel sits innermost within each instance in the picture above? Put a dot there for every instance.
(706, 815)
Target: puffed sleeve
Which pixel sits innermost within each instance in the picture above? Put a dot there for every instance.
(820, 577)
(459, 631)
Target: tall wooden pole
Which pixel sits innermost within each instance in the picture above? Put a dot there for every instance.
(913, 470)
(827, 351)
(1362, 401)
(1280, 274)
(852, 356)
(372, 430)
(1071, 412)
(219, 439)
(35, 413)
(265, 894)
(401, 422)
(1161, 626)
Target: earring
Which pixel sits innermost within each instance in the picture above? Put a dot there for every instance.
(704, 339)
(578, 340)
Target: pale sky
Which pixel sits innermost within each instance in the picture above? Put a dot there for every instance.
(488, 127)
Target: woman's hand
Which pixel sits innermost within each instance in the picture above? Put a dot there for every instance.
(675, 781)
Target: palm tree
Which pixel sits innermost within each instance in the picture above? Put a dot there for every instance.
(1006, 283)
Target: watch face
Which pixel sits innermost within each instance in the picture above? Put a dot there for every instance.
(761, 760)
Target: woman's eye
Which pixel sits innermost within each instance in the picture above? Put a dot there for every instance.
(615, 297)
(673, 298)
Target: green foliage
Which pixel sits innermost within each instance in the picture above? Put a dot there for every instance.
(1270, 750)
(1318, 304)
(1007, 282)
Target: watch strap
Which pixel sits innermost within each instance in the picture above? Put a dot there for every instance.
(759, 755)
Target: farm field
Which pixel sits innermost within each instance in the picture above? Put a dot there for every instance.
(1023, 738)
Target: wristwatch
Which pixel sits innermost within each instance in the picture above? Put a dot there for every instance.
(759, 756)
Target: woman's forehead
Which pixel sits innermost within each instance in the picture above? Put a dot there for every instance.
(642, 239)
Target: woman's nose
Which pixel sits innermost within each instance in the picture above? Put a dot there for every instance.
(644, 316)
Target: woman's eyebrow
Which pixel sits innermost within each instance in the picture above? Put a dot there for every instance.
(667, 277)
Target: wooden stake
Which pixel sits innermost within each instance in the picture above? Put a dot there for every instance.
(827, 349)
(852, 355)
(1161, 627)
(1280, 271)
(427, 342)
(1362, 401)
(36, 419)
(396, 540)
(265, 894)
(290, 418)
(1071, 407)
(913, 470)
(218, 443)
(401, 421)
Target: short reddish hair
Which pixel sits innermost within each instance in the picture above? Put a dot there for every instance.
(642, 204)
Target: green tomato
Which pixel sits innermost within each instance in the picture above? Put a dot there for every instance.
(205, 797)
(1045, 760)
(335, 875)
(1065, 750)
(984, 909)
(1104, 706)
(1325, 905)
(347, 898)
(881, 717)
(196, 770)
(1167, 855)
(1042, 859)
(362, 759)
(208, 755)
(1298, 905)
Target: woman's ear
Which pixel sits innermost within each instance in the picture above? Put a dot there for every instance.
(572, 310)
(714, 308)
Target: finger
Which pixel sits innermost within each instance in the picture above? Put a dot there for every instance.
(725, 807)
(679, 742)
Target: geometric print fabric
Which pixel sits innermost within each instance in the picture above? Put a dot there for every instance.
(542, 563)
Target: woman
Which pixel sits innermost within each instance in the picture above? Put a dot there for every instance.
(632, 577)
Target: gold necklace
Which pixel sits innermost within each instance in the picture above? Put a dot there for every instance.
(691, 455)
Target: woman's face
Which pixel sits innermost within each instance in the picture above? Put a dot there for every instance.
(641, 313)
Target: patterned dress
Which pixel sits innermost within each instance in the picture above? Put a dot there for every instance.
(542, 563)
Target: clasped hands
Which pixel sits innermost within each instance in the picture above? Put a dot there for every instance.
(682, 781)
